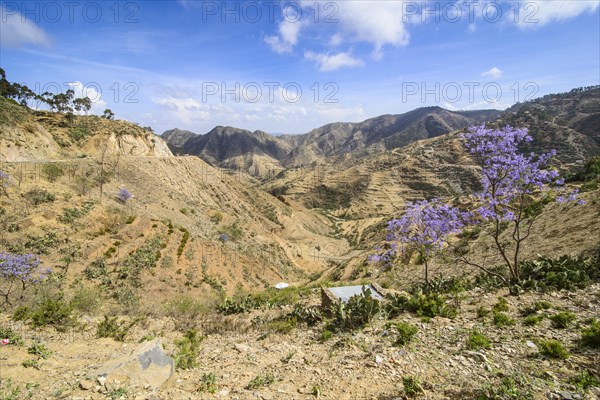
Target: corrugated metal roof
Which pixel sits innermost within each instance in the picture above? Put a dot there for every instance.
(345, 292)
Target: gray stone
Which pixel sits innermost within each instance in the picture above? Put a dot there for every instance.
(146, 367)
(242, 348)
(86, 384)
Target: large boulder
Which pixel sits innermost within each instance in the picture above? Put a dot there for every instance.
(148, 367)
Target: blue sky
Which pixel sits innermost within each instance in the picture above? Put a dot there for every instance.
(293, 66)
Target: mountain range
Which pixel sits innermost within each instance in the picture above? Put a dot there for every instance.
(234, 147)
(569, 120)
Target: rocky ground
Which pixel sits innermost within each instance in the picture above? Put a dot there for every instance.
(246, 357)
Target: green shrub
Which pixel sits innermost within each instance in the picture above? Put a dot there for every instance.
(501, 305)
(412, 386)
(590, 337)
(42, 244)
(21, 313)
(110, 327)
(39, 196)
(309, 315)
(52, 311)
(510, 388)
(166, 262)
(482, 312)
(584, 380)
(547, 274)
(261, 381)
(236, 306)
(234, 231)
(589, 175)
(491, 282)
(563, 319)
(317, 391)
(270, 298)
(542, 305)
(283, 325)
(8, 391)
(208, 383)
(139, 260)
(477, 340)
(325, 335)
(184, 240)
(146, 338)
(52, 172)
(14, 339)
(553, 349)
(357, 312)
(96, 269)
(188, 349)
(533, 320)
(442, 285)
(501, 319)
(72, 214)
(86, 300)
(117, 393)
(77, 133)
(31, 363)
(426, 305)
(405, 332)
(40, 350)
(430, 305)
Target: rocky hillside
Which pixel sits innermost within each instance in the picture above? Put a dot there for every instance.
(42, 135)
(383, 132)
(254, 152)
(567, 122)
(226, 146)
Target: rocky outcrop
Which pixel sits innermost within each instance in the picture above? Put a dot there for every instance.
(147, 367)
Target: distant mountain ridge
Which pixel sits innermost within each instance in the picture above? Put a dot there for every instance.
(568, 122)
(227, 146)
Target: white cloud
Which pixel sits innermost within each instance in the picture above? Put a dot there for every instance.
(542, 12)
(289, 32)
(16, 31)
(493, 72)
(98, 105)
(377, 22)
(327, 62)
(186, 110)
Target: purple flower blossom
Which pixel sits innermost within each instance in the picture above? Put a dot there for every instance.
(425, 226)
(223, 237)
(124, 195)
(23, 267)
(4, 180)
(508, 177)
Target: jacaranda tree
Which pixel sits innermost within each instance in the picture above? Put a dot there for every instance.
(425, 227)
(4, 182)
(515, 187)
(17, 272)
(124, 195)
